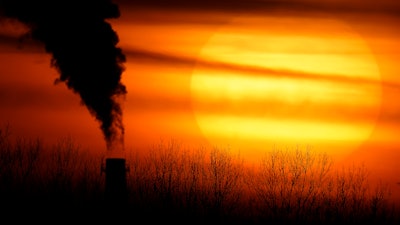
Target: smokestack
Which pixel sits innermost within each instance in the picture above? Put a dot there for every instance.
(116, 192)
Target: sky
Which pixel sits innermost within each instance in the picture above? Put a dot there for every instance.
(248, 75)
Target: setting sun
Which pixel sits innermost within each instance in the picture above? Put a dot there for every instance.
(281, 83)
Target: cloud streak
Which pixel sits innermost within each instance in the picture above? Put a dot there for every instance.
(387, 7)
(139, 55)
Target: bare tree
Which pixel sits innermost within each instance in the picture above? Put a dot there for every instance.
(288, 183)
(224, 181)
(167, 166)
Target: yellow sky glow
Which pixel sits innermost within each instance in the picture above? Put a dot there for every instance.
(241, 107)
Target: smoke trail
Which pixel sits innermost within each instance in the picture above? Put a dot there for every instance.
(84, 52)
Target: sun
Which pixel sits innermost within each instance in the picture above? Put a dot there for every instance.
(265, 81)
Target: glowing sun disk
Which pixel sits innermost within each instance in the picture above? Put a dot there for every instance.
(337, 50)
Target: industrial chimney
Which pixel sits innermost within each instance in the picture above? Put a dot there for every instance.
(116, 192)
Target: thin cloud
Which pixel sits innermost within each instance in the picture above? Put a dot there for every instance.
(138, 55)
(13, 44)
(24, 96)
(10, 43)
(387, 7)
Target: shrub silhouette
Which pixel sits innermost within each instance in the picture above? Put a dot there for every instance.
(299, 186)
(197, 185)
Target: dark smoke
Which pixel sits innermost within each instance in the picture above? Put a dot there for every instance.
(83, 48)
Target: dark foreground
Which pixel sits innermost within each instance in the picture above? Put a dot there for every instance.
(64, 184)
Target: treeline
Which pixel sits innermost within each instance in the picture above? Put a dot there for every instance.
(196, 185)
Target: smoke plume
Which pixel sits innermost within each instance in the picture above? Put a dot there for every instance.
(84, 51)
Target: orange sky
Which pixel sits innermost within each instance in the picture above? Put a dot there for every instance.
(250, 75)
